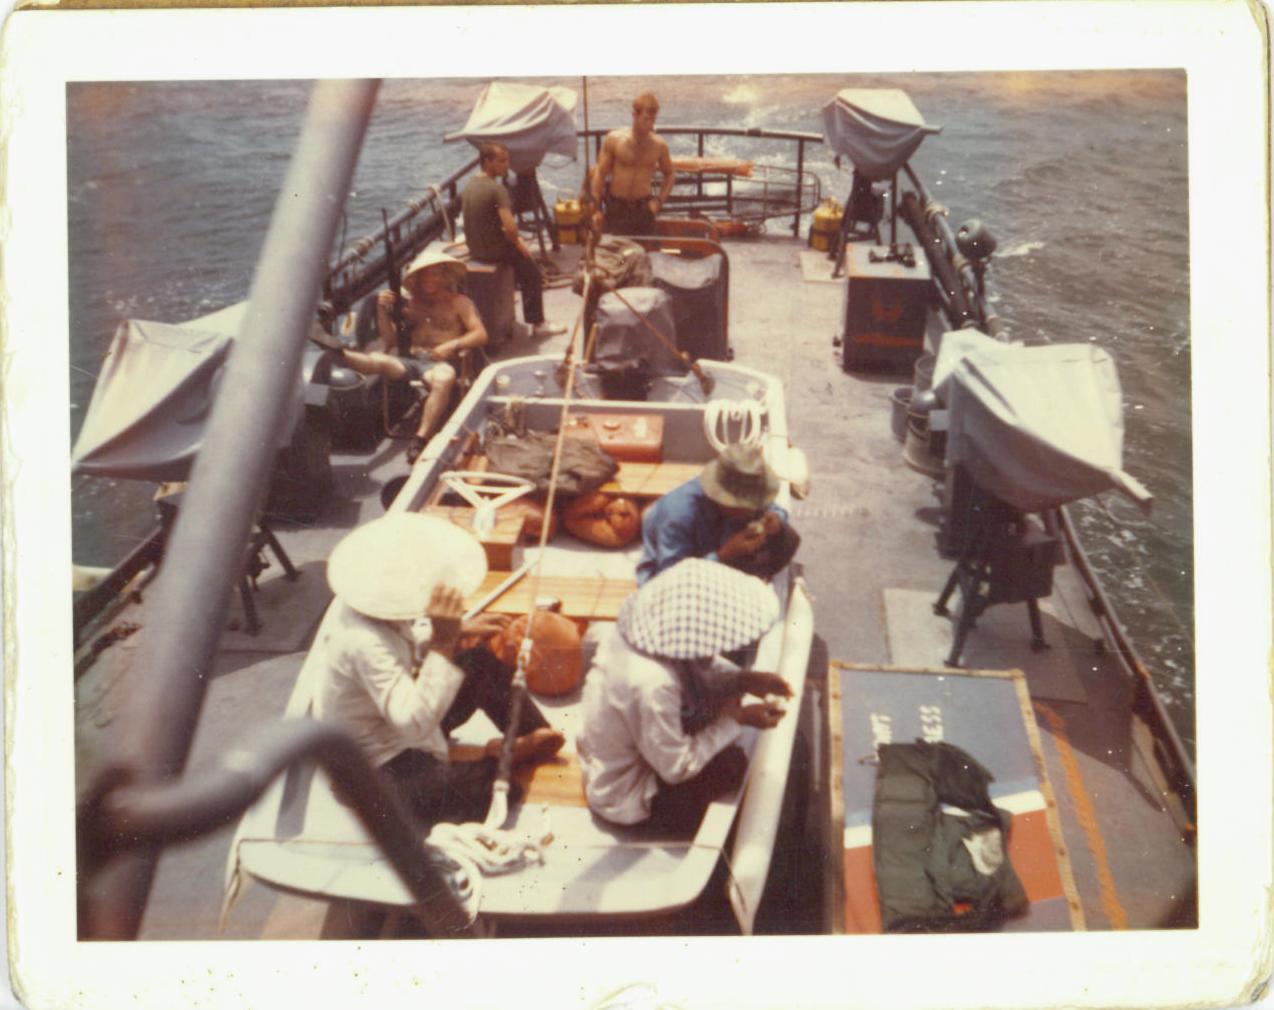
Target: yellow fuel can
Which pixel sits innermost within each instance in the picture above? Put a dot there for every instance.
(568, 216)
(826, 224)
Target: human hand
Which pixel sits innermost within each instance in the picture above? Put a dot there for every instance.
(761, 684)
(747, 541)
(598, 219)
(772, 523)
(654, 205)
(485, 624)
(758, 715)
(444, 610)
(386, 299)
(443, 351)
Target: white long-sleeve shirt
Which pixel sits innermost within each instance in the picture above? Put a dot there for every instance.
(365, 679)
(632, 736)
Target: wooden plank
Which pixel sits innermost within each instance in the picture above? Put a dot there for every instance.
(559, 782)
(650, 480)
(636, 480)
(499, 543)
(586, 597)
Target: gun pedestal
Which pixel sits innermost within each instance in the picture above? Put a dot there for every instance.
(1008, 558)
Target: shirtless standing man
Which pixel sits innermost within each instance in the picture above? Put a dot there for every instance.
(628, 159)
(440, 323)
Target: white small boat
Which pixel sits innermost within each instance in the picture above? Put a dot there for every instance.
(299, 839)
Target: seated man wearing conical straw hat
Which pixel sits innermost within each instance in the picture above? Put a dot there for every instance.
(398, 688)
(725, 514)
(663, 710)
(440, 324)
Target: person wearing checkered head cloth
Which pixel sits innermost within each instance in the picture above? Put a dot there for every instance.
(663, 710)
(725, 514)
(398, 687)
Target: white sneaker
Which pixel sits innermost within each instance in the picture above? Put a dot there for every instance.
(540, 331)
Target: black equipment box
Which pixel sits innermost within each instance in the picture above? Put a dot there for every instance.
(886, 305)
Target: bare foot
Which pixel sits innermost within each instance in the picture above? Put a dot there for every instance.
(538, 745)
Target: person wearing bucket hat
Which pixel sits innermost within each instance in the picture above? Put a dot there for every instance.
(400, 688)
(441, 325)
(662, 710)
(725, 514)
(491, 233)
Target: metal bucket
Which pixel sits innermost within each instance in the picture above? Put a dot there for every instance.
(923, 374)
(900, 402)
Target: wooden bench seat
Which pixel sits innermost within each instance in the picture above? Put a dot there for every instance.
(636, 480)
(499, 543)
(586, 597)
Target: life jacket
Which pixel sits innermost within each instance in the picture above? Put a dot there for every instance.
(938, 870)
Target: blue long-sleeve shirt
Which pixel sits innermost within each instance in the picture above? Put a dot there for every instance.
(685, 523)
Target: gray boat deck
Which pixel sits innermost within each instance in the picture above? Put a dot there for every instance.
(870, 559)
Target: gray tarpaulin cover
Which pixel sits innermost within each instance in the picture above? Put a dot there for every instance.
(698, 293)
(1037, 426)
(530, 121)
(878, 129)
(153, 397)
(621, 336)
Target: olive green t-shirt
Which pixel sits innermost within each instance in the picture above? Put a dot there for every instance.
(481, 200)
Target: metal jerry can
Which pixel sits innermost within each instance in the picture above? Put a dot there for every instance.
(886, 298)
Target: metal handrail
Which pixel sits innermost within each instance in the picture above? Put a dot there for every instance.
(128, 817)
(354, 275)
(357, 273)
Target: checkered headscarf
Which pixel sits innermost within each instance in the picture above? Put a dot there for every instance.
(697, 609)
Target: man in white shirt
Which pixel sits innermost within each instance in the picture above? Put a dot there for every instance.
(662, 710)
(399, 691)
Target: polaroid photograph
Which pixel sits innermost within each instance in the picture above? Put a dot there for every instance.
(722, 505)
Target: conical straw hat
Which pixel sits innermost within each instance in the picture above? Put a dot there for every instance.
(697, 609)
(389, 567)
(432, 258)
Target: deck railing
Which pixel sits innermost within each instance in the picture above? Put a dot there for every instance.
(701, 200)
(362, 267)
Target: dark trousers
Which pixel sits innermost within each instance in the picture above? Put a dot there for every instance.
(440, 791)
(681, 807)
(530, 283)
(627, 217)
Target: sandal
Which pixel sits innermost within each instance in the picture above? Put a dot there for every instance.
(414, 448)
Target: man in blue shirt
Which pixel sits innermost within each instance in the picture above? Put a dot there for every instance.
(725, 514)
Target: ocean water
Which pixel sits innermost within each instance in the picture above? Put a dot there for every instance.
(1081, 175)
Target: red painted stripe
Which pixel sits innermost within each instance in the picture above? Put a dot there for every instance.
(1031, 852)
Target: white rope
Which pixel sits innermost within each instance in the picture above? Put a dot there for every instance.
(436, 195)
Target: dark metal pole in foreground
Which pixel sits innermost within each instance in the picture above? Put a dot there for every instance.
(187, 607)
(178, 810)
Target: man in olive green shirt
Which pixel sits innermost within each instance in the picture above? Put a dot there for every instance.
(491, 232)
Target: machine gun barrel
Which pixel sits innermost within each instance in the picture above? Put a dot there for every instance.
(394, 279)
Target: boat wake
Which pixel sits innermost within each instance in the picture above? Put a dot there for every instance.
(1021, 249)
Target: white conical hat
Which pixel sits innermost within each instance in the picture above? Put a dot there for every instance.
(389, 567)
(433, 258)
(697, 609)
